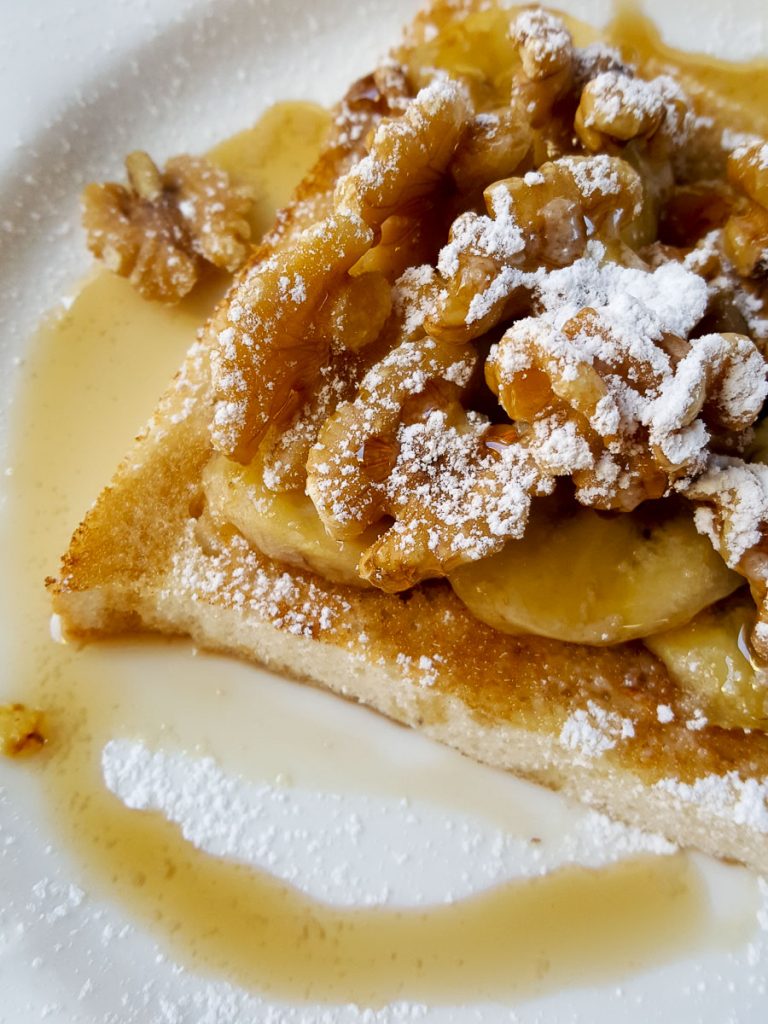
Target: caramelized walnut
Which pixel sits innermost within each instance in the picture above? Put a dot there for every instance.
(546, 56)
(541, 220)
(455, 487)
(408, 155)
(746, 232)
(493, 147)
(269, 356)
(160, 229)
(267, 359)
(342, 490)
(638, 401)
(457, 490)
(353, 322)
(616, 107)
(648, 122)
(355, 313)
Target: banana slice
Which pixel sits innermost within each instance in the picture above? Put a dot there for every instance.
(590, 579)
(284, 526)
(709, 659)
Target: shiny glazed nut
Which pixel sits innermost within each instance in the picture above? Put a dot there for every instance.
(617, 106)
(346, 497)
(355, 313)
(408, 155)
(543, 219)
(639, 410)
(270, 354)
(546, 55)
(267, 359)
(457, 492)
(455, 487)
(493, 146)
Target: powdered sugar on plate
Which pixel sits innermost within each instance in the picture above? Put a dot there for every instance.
(362, 850)
(727, 796)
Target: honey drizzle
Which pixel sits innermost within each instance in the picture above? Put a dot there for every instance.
(572, 927)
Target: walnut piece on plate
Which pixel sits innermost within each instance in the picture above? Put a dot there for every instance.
(163, 226)
(21, 730)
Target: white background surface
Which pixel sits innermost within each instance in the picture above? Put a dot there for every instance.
(81, 83)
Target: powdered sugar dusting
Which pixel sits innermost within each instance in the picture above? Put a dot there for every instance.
(356, 841)
(614, 93)
(592, 731)
(735, 505)
(743, 801)
(236, 577)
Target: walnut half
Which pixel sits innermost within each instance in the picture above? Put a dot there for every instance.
(160, 229)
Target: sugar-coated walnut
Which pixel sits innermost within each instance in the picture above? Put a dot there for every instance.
(638, 409)
(546, 55)
(268, 360)
(616, 106)
(543, 219)
(732, 510)
(455, 487)
(408, 155)
(355, 321)
(347, 497)
(269, 355)
(160, 228)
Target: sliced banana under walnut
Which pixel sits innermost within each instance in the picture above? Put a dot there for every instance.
(582, 577)
(284, 526)
(160, 228)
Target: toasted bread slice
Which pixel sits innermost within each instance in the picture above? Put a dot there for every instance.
(605, 725)
(585, 720)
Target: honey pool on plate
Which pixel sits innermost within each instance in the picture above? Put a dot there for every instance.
(91, 378)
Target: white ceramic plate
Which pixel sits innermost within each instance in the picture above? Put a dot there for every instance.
(81, 84)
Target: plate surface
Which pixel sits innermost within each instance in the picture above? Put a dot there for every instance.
(80, 85)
